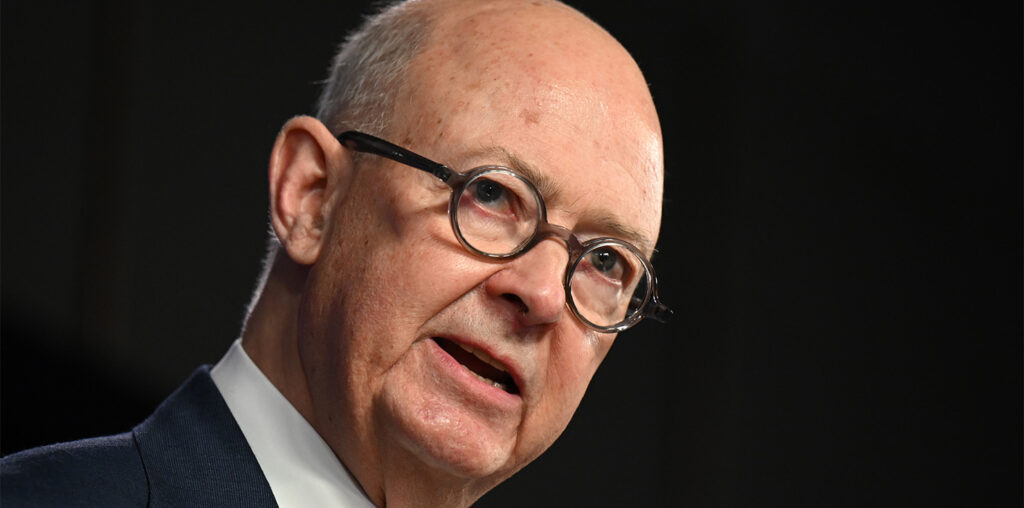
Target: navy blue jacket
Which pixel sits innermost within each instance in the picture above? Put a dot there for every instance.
(190, 452)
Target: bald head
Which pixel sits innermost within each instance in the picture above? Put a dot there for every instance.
(530, 66)
(545, 42)
(414, 45)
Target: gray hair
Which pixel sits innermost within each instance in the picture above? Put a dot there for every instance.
(370, 69)
(367, 74)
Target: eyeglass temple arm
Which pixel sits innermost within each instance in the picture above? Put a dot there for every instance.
(363, 142)
(660, 312)
(655, 310)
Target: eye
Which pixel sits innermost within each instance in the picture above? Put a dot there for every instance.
(488, 191)
(608, 262)
(493, 197)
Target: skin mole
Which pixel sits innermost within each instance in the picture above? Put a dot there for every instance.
(530, 116)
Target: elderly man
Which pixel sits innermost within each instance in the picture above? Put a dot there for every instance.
(458, 237)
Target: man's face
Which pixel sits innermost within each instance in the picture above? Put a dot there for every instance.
(400, 324)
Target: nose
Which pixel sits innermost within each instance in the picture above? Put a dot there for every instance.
(532, 285)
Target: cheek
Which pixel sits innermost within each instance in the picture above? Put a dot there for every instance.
(386, 248)
(572, 362)
(416, 264)
(572, 366)
(389, 263)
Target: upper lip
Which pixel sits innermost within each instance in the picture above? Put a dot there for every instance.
(506, 363)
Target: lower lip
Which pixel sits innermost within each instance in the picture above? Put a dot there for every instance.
(470, 383)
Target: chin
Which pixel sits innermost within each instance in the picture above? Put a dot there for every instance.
(447, 438)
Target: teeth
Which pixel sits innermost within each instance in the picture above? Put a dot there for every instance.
(486, 358)
(491, 382)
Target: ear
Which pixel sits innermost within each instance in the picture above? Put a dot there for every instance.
(305, 168)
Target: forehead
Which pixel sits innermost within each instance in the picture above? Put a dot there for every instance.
(543, 89)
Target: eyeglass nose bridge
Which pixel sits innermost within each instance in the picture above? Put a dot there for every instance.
(651, 307)
(547, 230)
(573, 245)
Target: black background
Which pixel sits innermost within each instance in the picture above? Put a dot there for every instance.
(842, 239)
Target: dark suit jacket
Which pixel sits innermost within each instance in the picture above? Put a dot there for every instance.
(190, 452)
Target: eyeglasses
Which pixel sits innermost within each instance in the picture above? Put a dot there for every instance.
(497, 213)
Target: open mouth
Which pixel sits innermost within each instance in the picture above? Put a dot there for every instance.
(480, 364)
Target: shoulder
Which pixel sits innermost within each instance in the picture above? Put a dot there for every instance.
(189, 452)
(103, 471)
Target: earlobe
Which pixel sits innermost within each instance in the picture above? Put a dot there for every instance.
(305, 167)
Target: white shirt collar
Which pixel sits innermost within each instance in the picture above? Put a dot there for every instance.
(300, 468)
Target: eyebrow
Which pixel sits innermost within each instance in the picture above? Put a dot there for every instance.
(551, 192)
(624, 232)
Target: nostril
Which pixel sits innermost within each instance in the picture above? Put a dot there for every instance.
(517, 301)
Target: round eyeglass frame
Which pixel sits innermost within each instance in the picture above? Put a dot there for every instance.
(648, 306)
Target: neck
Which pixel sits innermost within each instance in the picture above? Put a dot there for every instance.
(270, 337)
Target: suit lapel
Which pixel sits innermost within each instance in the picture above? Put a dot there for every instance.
(195, 454)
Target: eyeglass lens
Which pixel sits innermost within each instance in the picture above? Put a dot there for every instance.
(498, 213)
